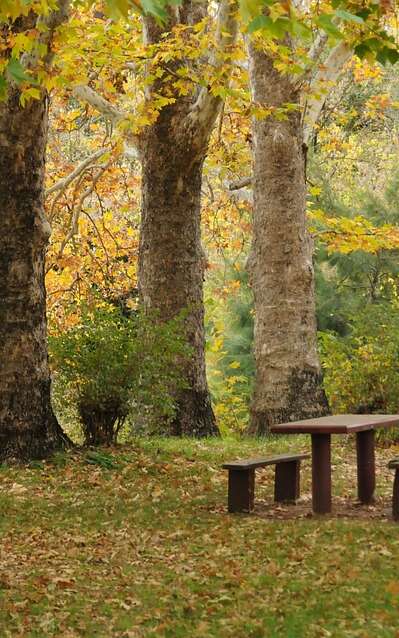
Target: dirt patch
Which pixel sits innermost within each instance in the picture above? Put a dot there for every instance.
(341, 508)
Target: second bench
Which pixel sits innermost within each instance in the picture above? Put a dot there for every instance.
(241, 487)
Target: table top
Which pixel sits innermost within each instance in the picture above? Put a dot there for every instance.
(338, 424)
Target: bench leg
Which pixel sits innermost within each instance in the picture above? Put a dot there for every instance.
(395, 497)
(241, 490)
(286, 482)
(365, 466)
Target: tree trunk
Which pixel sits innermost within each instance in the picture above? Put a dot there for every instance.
(28, 427)
(173, 150)
(288, 383)
(171, 259)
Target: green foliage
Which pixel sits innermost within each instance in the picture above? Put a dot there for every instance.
(345, 282)
(109, 366)
(361, 370)
(229, 356)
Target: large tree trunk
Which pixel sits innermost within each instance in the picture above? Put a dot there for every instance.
(288, 382)
(171, 259)
(28, 427)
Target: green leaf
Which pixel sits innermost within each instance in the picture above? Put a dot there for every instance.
(258, 23)
(300, 29)
(120, 8)
(373, 43)
(348, 17)
(392, 55)
(386, 54)
(364, 13)
(249, 9)
(325, 22)
(17, 72)
(362, 51)
(155, 8)
(277, 28)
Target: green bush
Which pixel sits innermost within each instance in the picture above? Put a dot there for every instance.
(109, 366)
(361, 370)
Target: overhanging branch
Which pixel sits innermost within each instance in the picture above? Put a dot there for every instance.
(206, 107)
(326, 75)
(63, 183)
(86, 94)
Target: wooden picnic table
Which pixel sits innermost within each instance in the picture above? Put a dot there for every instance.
(320, 429)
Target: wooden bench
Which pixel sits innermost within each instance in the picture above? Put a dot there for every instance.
(242, 480)
(394, 465)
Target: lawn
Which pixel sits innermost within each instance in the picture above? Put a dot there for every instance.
(137, 542)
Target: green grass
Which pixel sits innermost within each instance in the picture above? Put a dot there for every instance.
(136, 542)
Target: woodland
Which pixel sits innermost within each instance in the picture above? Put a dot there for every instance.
(200, 240)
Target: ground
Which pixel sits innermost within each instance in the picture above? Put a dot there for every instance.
(136, 542)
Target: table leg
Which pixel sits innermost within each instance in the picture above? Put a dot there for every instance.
(395, 496)
(365, 449)
(321, 473)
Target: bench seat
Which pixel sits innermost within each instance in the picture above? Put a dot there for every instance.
(241, 489)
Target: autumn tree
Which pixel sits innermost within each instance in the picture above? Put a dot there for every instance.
(288, 89)
(172, 261)
(184, 63)
(28, 427)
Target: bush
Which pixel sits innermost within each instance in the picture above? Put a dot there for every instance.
(109, 366)
(361, 370)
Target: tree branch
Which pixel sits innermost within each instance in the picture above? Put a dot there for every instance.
(76, 213)
(86, 94)
(318, 46)
(206, 107)
(63, 183)
(327, 74)
(241, 183)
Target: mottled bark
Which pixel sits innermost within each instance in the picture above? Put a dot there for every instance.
(288, 382)
(171, 259)
(28, 427)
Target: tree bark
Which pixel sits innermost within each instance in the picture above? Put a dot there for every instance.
(288, 384)
(171, 259)
(28, 427)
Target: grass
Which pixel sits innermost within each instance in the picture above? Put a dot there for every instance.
(136, 542)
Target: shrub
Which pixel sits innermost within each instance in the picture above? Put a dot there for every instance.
(109, 366)
(361, 370)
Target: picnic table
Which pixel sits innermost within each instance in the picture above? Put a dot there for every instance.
(320, 429)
